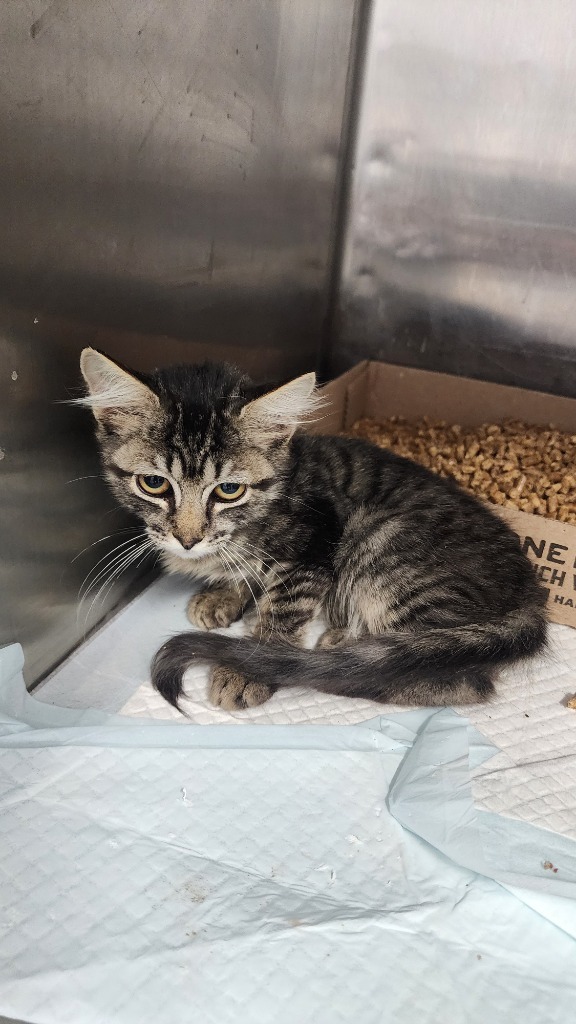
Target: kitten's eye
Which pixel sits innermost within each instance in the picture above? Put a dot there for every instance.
(229, 491)
(153, 485)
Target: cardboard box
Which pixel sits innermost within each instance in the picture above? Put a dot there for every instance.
(378, 390)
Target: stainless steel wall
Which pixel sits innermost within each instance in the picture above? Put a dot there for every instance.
(460, 241)
(168, 174)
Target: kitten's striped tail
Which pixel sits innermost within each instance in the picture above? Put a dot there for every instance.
(434, 667)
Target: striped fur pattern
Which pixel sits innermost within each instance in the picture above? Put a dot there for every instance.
(426, 592)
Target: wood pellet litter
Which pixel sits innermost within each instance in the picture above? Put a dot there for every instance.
(531, 469)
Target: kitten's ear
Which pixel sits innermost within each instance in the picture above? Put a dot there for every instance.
(113, 393)
(278, 413)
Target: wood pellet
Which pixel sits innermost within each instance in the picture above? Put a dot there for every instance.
(531, 469)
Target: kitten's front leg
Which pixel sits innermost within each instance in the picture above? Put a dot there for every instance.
(218, 607)
(287, 606)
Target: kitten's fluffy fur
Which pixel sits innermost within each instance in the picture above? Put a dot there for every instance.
(425, 590)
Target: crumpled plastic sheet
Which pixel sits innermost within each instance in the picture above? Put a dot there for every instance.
(153, 872)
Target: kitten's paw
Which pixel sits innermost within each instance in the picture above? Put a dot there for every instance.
(333, 638)
(232, 692)
(214, 609)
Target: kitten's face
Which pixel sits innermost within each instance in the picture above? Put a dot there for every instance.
(192, 496)
(192, 451)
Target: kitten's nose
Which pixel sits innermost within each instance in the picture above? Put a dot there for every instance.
(187, 542)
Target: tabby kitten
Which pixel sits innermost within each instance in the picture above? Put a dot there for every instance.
(425, 590)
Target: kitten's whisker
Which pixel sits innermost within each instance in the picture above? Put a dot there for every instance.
(282, 494)
(117, 547)
(142, 551)
(131, 529)
(229, 570)
(261, 624)
(87, 583)
(257, 576)
(127, 559)
(246, 581)
(261, 583)
(105, 574)
(260, 552)
(270, 570)
(263, 557)
(234, 558)
(91, 476)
